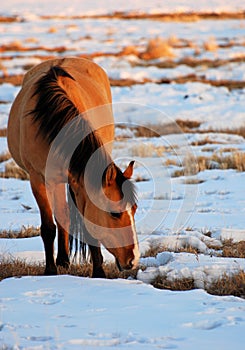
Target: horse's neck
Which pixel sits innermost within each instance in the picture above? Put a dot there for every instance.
(97, 113)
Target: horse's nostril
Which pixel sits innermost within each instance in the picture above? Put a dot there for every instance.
(130, 264)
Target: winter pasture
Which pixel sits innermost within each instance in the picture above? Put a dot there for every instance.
(177, 71)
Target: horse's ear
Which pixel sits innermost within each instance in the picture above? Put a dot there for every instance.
(129, 171)
(110, 175)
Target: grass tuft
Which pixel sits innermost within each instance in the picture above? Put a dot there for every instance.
(12, 170)
(226, 285)
(193, 165)
(4, 157)
(229, 285)
(24, 232)
(233, 250)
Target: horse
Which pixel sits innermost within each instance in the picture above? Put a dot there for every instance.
(61, 131)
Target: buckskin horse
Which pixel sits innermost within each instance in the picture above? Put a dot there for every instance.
(62, 101)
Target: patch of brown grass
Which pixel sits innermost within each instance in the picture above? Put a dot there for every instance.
(210, 45)
(154, 250)
(233, 249)
(3, 132)
(147, 150)
(171, 162)
(226, 285)
(187, 125)
(10, 19)
(176, 17)
(157, 130)
(24, 232)
(236, 160)
(238, 131)
(181, 284)
(229, 285)
(15, 80)
(14, 267)
(157, 48)
(193, 181)
(13, 171)
(4, 157)
(193, 165)
(203, 142)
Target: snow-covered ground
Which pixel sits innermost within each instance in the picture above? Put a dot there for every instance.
(196, 212)
(55, 7)
(78, 313)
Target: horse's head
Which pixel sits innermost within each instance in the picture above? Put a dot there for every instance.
(108, 213)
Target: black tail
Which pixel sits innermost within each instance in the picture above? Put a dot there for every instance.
(76, 234)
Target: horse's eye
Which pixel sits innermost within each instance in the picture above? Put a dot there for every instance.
(116, 215)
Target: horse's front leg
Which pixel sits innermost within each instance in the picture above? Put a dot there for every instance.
(48, 228)
(61, 211)
(97, 260)
(96, 255)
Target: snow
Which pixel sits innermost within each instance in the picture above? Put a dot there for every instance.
(178, 102)
(202, 269)
(73, 313)
(177, 214)
(101, 7)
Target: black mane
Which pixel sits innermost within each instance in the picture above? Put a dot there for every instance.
(53, 109)
(71, 137)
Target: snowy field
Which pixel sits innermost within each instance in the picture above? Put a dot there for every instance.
(190, 174)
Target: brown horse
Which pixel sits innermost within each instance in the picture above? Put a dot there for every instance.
(60, 131)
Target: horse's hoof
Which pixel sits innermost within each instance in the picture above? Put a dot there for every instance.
(64, 262)
(98, 273)
(50, 271)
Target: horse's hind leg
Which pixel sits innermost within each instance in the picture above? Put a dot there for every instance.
(48, 228)
(61, 212)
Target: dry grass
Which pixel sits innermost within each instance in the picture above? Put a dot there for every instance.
(229, 285)
(153, 130)
(187, 125)
(24, 232)
(157, 130)
(233, 250)
(4, 157)
(154, 250)
(183, 284)
(193, 165)
(147, 150)
(226, 285)
(210, 45)
(13, 171)
(3, 132)
(16, 80)
(193, 181)
(13, 267)
(205, 141)
(176, 17)
(236, 160)
(172, 162)
(157, 48)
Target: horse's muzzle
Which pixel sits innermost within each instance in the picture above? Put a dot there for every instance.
(129, 265)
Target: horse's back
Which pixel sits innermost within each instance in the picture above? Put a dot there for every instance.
(89, 89)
